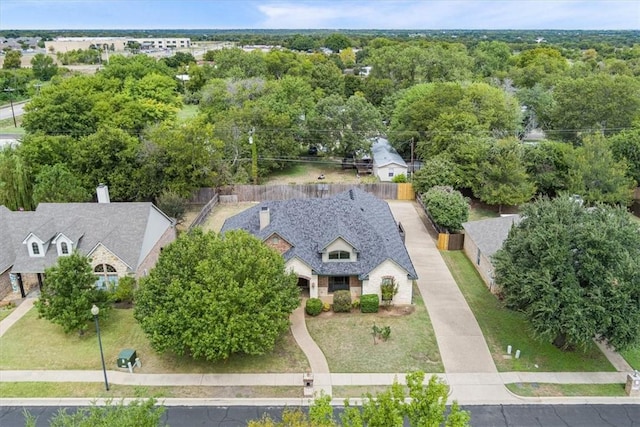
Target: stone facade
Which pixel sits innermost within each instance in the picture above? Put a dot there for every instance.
(152, 257)
(101, 255)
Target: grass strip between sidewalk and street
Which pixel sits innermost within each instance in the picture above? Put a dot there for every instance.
(347, 341)
(502, 327)
(559, 390)
(37, 344)
(97, 390)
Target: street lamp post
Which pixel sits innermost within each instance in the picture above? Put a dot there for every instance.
(13, 114)
(95, 310)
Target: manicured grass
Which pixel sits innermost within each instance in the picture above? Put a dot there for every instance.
(632, 356)
(40, 389)
(347, 343)
(355, 391)
(305, 172)
(7, 126)
(502, 327)
(34, 343)
(187, 112)
(5, 311)
(556, 390)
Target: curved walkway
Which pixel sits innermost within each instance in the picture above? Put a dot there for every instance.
(317, 361)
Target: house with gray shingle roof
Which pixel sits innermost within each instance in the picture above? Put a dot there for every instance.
(120, 238)
(387, 163)
(346, 242)
(482, 239)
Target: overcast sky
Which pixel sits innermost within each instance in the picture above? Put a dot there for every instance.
(329, 14)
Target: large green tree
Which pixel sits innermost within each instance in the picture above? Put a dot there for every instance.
(574, 272)
(626, 146)
(43, 66)
(600, 102)
(212, 296)
(56, 184)
(448, 208)
(597, 176)
(12, 59)
(68, 293)
(502, 176)
(15, 181)
(344, 128)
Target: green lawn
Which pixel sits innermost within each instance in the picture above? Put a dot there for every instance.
(34, 343)
(632, 356)
(346, 340)
(97, 390)
(556, 390)
(477, 213)
(7, 126)
(502, 327)
(5, 311)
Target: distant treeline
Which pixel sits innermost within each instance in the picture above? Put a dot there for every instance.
(566, 38)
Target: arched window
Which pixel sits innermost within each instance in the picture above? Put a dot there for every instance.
(344, 255)
(106, 274)
(35, 248)
(64, 249)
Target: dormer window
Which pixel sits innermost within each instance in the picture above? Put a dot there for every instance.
(339, 255)
(64, 249)
(35, 248)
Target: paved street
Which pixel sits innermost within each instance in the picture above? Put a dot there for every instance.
(481, 416)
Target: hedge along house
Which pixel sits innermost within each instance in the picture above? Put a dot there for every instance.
(346, 242)
(121, 239)
(482, 239)
(387, 163)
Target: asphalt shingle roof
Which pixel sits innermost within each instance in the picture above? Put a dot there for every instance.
(309, 225)
(120, 227)
(384, 154)
(489, 234)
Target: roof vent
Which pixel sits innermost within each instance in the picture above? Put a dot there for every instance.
(351, 194)
(103, 193)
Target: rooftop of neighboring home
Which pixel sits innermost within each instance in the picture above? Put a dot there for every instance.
(310, 225)
(489, 234)
(384, 154)
(123, 228)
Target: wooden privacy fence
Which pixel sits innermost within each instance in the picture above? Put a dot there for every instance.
(261, 193)
(204, 212)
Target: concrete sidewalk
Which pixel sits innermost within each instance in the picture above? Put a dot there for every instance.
(482, 383)
(460, 340)
(16, 314)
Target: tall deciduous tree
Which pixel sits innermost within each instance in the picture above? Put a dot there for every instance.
(626, 146)
(69, 292)
(503, 178)
(600, 102)
(597, 176)
(211, 296)
(574, 272)
(12, 59)
(56, 184)
(43, 66)
(15, 181)
(345, 128)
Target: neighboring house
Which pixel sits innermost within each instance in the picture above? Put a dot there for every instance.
(121, 239)
(484, 238)
(346, 242)
(387, 163)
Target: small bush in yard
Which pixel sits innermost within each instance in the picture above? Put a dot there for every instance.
(342, 302)
(313, 306)
(124, 290)
(369, 303)
(326, 306)
(355, 304)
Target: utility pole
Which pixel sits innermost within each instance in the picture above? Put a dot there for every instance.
(13, 114)
(254, 157)
(412, 164)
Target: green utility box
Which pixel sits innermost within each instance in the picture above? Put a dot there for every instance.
(125, 357)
